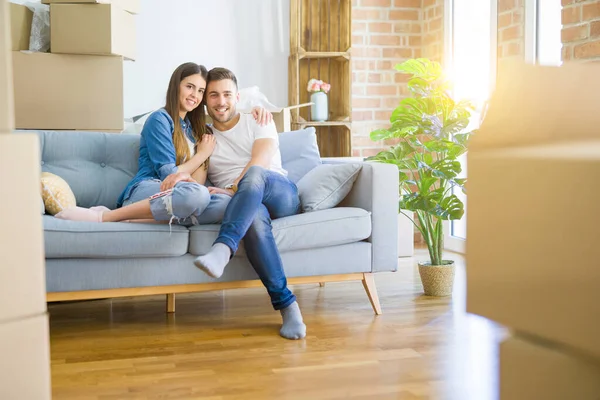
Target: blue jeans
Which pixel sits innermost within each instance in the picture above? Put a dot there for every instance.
(188, 203)
(261, 195)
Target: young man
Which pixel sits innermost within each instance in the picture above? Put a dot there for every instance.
(246, 164)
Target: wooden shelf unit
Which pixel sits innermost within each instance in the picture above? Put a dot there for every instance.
(320, 48)
(320, 25)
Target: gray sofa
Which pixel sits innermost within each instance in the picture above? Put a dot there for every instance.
(90, 260)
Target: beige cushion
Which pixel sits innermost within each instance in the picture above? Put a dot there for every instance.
(56, 193)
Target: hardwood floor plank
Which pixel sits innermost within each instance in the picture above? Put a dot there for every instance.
(224, 345)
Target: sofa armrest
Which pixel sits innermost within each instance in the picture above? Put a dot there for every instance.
(376, 190)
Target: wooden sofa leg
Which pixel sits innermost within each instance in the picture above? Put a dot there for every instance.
(171, 302)
(369, 284)
(322, 284)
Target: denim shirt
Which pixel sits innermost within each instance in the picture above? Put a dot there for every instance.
(157, 152)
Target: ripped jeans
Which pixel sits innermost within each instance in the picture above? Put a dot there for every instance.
(186, 204)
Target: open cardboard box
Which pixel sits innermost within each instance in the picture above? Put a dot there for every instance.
(532, 227)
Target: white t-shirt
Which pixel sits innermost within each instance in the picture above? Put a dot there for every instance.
(191, 146)
(233, 150)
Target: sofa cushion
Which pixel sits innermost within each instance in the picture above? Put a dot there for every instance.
(324, 228)
(74, 239)
(56, 193)
(299, 152)
(327, 185)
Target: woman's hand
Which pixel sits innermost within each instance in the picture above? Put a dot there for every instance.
(262, 116)
(216, 190)
(171, 180)
(206, 145)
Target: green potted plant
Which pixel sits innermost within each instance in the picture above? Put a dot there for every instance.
(430, 129)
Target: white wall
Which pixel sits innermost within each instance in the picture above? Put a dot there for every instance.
(250, 37)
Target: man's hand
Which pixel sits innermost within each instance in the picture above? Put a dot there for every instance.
(262, 116)
(171, 180)
(216, 190)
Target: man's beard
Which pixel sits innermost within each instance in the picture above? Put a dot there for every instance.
(228, 116)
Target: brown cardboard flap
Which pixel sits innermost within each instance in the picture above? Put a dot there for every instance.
(20, 26)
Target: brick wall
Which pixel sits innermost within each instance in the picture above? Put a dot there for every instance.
(384, 33)
(581, 30)
(433, 29)
(511, 28)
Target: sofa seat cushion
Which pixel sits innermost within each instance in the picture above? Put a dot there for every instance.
(335, 226)
(74, 239)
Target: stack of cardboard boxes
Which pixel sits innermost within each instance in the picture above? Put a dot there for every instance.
(24, 342)
(79, 84)
(533, 258)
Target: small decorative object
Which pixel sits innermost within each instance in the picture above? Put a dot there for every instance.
(319, 109)
(56, 193)
(431, 130)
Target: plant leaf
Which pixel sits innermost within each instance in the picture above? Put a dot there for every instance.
(380, 134)
(450, 208)
(446, 169)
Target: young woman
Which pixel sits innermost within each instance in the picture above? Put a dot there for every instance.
(174, 151)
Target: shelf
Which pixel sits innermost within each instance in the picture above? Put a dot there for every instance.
(302, 123)
(335, 71)
(323, 54)
(321, 25)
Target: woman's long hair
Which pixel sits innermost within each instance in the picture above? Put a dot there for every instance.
(196, 117)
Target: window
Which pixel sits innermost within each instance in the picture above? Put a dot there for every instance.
(471, 65)
(543, 43)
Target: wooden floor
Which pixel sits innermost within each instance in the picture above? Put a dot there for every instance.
(225, 345)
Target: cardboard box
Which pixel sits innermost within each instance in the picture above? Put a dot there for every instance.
(20, 26)
(25, 366)
(57, 91)
(100, 29)
(532, 228)
(22, 272)
(132, 6)
(7, 111)
(532, 248)
(532, 370)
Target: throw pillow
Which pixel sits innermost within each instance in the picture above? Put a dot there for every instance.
(56, 193)
(327, 185)
(299, 152)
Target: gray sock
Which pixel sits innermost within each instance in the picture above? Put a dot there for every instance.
(293, 326)
(214, 262)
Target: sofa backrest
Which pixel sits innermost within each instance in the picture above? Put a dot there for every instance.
(97, 166)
